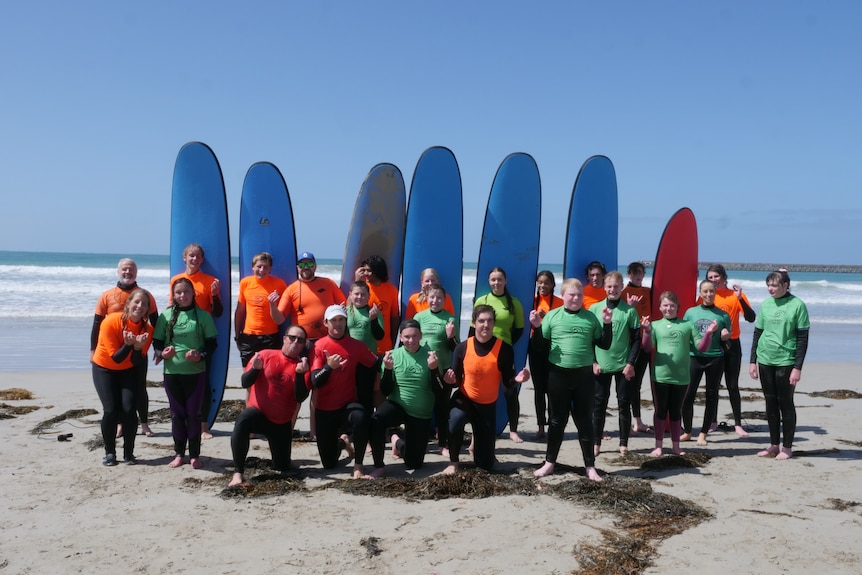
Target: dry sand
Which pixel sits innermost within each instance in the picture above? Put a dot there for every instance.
(63, 512)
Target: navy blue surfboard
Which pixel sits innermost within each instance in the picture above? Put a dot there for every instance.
(377, 226)
(592, 233)
(199, 215)
(510, 240)
(434, 233)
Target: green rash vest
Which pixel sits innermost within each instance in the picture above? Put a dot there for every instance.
(433, 327)
(572, 337)
(412, 382)
(359, 325)
(625, 319)
(702, 316)
(192, 329)
(672, 339)
(780, 319)
(505, 320)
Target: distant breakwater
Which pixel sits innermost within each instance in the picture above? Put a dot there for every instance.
(816, 268)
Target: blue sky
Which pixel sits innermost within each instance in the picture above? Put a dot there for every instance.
(746, 112)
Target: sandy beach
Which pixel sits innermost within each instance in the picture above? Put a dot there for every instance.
(63, 512)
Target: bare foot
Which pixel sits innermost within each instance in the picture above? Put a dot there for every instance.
(593, 475)
(740, 431)
(596, 450)
(701, 439)
(377, 473)
(176, 461)
(678, 451)
(395, 453)
(195, 463)
(472, 445)
(657, 452)
(641, 427)
(713, 427)
(120, 430)
(359, 473)
(145, 430)
(444, 451)
(685, 437)
(769, 452)
(513, 435)
(606, 437)
(348, 447)
(624, 450)
(545, 470)
(205, 431)
(451, 469)
(784, 454)
(237, 479)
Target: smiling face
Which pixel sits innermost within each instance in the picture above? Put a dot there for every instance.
(127, 271)
(484, 324)
(359, 296)
(428, 279)
(410, 338)
(306, 270)
(193, 257)
(595, 277)
(261, 268)
(435, 299)
(613, 287)
(497, 280)
(668, 308)
(707, 293)
(573, 297)
(545, 285)
(137, 306)
(183, 294)
(717, 279)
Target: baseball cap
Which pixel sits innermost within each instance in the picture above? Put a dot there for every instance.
(305, 256)
(334, 310)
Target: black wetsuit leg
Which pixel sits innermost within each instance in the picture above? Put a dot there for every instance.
(624, 404)
(695, 373)
(714, 368)
(513, 406)
(539, 375)
(600, 407)
(185, 394)
(116, 390)
(780, 407)
(388, 414)
(732, 365)
(441, 414)
(641, 368)
(280, 436)
(571, 391)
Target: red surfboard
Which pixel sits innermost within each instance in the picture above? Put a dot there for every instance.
(675, 267)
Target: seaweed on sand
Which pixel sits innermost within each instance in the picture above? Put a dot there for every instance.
(15, 394)
(474, 484)
(71, 414)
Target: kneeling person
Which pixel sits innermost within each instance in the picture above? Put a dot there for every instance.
(276, 383)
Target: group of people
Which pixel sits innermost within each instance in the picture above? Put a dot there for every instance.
(367, 372)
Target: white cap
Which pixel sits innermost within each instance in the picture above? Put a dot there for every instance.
(334, 311)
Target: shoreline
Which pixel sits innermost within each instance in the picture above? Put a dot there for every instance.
(62, 506)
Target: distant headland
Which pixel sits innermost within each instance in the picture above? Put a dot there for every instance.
(816, 268)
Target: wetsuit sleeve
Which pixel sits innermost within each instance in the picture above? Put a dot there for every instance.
(94, 333)
(387, 382)
(451, 343)
(121, 354)
(300, 389)
(506, 365)
(754, 339)
(747, 312)
(607, 338)
(218, 307)
(801, 347)
(516, 334)
(539, 345)
(636, 345)
(210, 345)
(138, 358)
(249, 377)
(154, 318)
(158, 345)
(458, 363)
(377, 331)
(435, 379)
(319, 377)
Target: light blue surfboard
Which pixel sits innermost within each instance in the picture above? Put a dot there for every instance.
(199, 215)
(377, 226)
(434, 233)
(510, 240)
(592, 233)
(266, 222)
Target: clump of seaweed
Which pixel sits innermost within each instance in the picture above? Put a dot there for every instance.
(162, 415)
(836, 394)
(15, 394)
(151, 383)
(754, 415)
(474, 484)
(229, 410)
(688, 461)
(95, 443)
(71, 414)
(372, 546)
(266, 482)
(848, 442)
(13, 410)
(842, 505)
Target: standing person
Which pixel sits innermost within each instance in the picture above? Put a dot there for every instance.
(671, 338)
(121, 348)
(639, 297)
(274, 378)
(365, 324)
(255, 322)
(478, 365)
(438, 329)
(419, 301)
(617, 363)
(185, 337)
(508, 326)
(304, 302)
(777, 353)
(334, 374)
(709, 362)
(375, 273)
(567, 337)
(410, 373)
(543, 302)
(113, 301)
(594, 290)
(207, 298)
(734, 303)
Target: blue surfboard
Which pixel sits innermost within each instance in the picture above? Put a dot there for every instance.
(434, 233)
(266, 223)
(592, 233)
(377, 226)
(199, 215)
(510, 240)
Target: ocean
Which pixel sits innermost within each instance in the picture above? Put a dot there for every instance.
(47, 302)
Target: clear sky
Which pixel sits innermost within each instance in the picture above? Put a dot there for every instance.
(746, 112)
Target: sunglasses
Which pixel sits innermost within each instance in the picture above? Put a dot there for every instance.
(295, 338)
(306, 265)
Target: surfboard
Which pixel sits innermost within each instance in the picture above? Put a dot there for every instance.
(675, 267)
(377, 226)
(266, 223)
(510, 240)
(434, 233)
(199, 215)
(592, 232)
